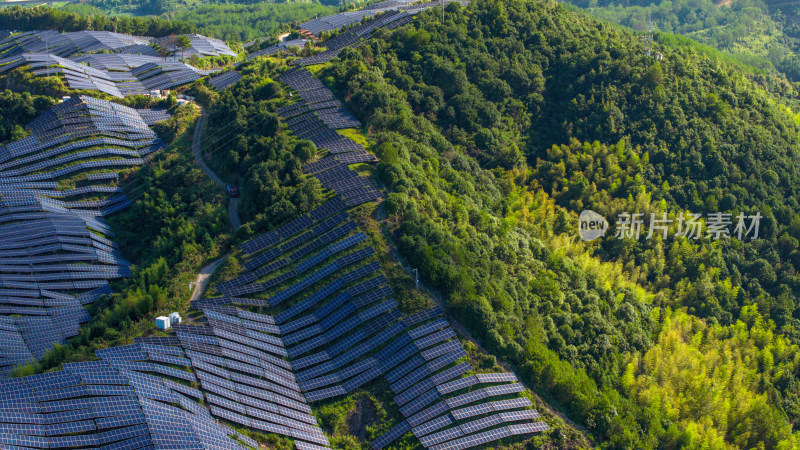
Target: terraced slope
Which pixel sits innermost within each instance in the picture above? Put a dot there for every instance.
(133, 67)
(56, 253)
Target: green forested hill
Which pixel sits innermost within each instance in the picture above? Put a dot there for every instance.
(245, 22)
(496, 128)
(230, 22)
(19, 109)
(246, 141)
(762, 33)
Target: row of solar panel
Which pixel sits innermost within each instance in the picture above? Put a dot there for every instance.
(93, 41)
(324, 237)
(140, 80)
(273, 237)
(225, 80)
(390, 18)
(31, 145)
(273, 49)
(376, 326)
(319, 127)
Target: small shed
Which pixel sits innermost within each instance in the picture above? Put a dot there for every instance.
(162, 323)
(174, 318)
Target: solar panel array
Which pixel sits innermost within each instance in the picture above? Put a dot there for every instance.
(389, 14)
(199, 45)
(225, 80)
(70, 43)
(316, 117)
(153, 74)
(336, 21)
(134, 67)
(55, 251)
(273, 49)
(335, 328)
(344, 330)
(329, 337)
(389, 18)
(65, 44)
(120, 401)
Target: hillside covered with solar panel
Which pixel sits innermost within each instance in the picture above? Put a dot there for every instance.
(56, 186)
(113, 63)
(336, 329)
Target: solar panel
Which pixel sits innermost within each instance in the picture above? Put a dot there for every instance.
(515, 416)
(451, 373)
(525, 428)
(441, 436)
(433, 339)
(363, 378)
(424, 330)
(475, 439)
(225, 80)
(446, 359)
(457, 385)
(433, 425)
(420, 402)
(496, 377)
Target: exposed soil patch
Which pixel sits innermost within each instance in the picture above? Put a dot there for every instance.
(363, 415)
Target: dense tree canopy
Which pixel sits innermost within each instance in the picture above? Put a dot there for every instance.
(19, 109)
(763, 33)
(246, 22)
(247, 143)
(46, 18)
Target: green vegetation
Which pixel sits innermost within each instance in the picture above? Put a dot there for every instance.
(245, 22)
(230, 22)
(156, 7)
(484, 126)
(707, 378)
(247, 145)
(761, 33)
(47, 18)
(19, 109)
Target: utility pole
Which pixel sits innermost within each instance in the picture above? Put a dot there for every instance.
(416, 272)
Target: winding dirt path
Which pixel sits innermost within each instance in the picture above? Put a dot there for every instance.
(201, 282)
(233, 203)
